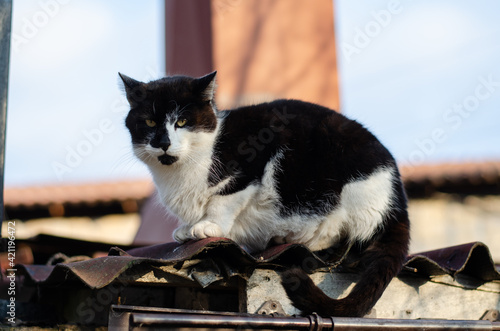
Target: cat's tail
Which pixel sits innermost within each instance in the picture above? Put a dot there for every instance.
(380, 262)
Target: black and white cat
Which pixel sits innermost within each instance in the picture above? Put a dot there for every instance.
(280, 172)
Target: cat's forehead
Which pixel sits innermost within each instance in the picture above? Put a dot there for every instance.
(175, 86)
(170, 92)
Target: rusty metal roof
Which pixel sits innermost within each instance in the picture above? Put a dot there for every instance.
(226, 258)
(472, 259)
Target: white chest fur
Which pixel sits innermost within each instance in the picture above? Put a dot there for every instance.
(183, 186)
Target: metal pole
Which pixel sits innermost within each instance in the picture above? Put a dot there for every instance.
(306, 323)
(5, 28)
(127, 317)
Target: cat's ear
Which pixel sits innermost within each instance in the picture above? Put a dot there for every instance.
(134, 89)
(206, 86)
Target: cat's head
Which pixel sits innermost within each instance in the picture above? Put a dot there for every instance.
(170, 118)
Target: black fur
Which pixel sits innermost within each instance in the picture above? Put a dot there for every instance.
(323, 150)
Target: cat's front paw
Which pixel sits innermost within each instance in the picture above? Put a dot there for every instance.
(182, 234)
(205, 229)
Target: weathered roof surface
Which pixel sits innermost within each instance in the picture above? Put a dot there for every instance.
(88, 193)
(434, 174)
(473, 259)
(228, 259)
(473, 172)
(456, 178)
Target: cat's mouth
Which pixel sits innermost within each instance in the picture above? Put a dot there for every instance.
(167, 159)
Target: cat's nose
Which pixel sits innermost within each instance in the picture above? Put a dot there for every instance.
(164, 142)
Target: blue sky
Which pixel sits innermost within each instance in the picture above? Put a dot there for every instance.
(415, 72)
(66, 109)
(424, 76)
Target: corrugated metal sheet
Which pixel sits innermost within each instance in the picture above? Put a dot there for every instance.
(473, 259)
(228, 259)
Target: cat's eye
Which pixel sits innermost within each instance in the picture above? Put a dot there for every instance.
(180, 123)
(150, 123)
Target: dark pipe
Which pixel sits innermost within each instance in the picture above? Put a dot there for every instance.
(214, 321)
(306, 323)
(125, 317)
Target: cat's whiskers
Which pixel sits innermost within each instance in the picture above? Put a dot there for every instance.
(217, 169)
(141, 153)
(126, 162)
(194, 158)
(126, 158)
